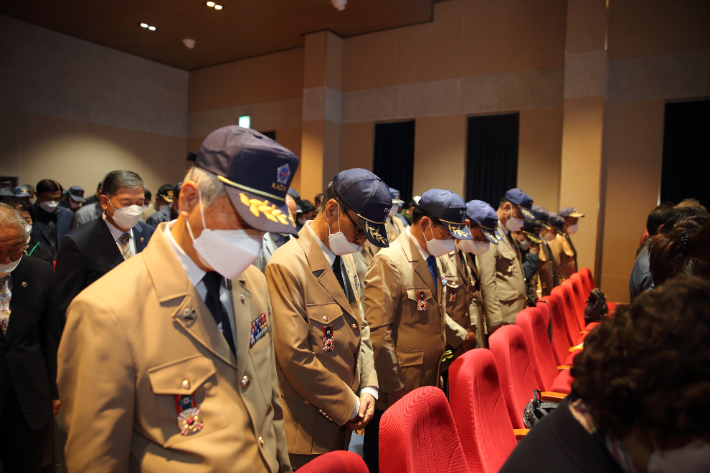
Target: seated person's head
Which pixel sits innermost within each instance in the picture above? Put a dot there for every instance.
(682, 249)
(645, 376)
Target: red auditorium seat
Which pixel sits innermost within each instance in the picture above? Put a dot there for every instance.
(547, 374)
(587, 277)
(569, 320)
(517, 377)
(339, 461)
(480, 411)
(582, 296)
(418, 434)
(560, 344)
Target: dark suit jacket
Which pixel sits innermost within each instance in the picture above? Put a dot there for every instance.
(165, 215)
(29, 349)
(88, 252)
(62, 220)
(559, 443)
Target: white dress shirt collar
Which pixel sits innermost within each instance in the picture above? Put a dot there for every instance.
(422, 251)
(194, 272)
(329, 255)
(115, 232)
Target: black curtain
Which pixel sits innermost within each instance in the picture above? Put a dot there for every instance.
(686, 152)
(270, 134)
(394, 156)
(491, 157)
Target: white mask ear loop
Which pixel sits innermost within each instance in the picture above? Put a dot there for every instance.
(204, 225)
(338, 219)
(431, 229)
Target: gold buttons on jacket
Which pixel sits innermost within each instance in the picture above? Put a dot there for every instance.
(354, 326)
(325, 415)
(185, 384)
(242, 298)
(245, 381)
(261, 441)
(325, 318)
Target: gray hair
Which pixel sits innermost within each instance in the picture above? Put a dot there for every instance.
(209, 185)
(116, 180)
(10, 217)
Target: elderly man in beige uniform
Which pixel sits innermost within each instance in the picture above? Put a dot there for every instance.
(502, 275)
(326, 371)
(562, 246)
(167, 362)
(405, 291)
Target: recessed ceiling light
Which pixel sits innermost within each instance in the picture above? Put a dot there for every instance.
(144, 25)
(218, 7)
(210, 4)
(152, 28)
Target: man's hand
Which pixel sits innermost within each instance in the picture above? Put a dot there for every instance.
(56, 404)
(396, 396)
(364, 415)
(535, 249)
(470, 342)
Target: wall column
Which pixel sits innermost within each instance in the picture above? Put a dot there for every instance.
(320, 149)
(582, 168)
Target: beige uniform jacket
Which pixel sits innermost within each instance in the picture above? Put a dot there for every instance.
(394, 227)
(408, 343)
(307, 297)
(463, 289)
(140, 336)
(547, 270)
(565, 256)
(502, 281)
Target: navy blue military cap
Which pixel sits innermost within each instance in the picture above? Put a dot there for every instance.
(448, 207)
(484, 215)
(530, 230)
(369, 198)
(522, 200)
(5, 192)
(256, 172)
(541, 215)
(77, 194)
(570, 212)
(21, 191)
(394, 193)
(557, 223)
(294, 193)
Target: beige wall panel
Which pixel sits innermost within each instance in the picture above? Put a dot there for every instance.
(11, 144)
(311, 167)
(267, 78)
(539, 151)
(511, 35)
(211, 87)
(314, 64)
(431, 51)
(653, 27)
(633, 149)
(440, 154)
(586, 26)
(290, 138)
(331, 154)
(79, 153)
(370, 60)
(193, 144)
(581, 169)
(334, 61)
(356, 145)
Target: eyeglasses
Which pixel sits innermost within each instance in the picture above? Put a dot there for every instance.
(358, 228)
(443, 230)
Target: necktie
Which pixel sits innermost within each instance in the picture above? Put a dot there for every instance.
(213, 281)
(338, 272)
(5, 295)
(124, 242)
(431, 262)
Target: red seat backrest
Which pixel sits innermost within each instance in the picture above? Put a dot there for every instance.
(532, 323)
(581, 295)
(480, 411)
(560, 342)
(338, 461)
(571, 328)
(588, 279)
(515, 370)
(418, 434)
(569, 303)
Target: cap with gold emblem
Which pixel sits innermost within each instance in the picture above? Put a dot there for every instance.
(448, 207)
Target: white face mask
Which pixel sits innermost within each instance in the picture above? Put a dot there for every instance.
(74, 205)
(473, 247)
(6, 269)
(302, 221)
(514, 224)
(229, 252)
(691, 458)
(394, 210)
(49, 206)
(524, 245)
(572, 229)
(28, 230)
(550, 236)
(436, 247)
(340, 245)
(127, 217)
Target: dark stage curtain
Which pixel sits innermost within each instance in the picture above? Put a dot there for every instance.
(270, 134)
(394, 156)
(686, 152)
(491, 157)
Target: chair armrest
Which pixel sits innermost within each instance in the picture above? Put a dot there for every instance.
(578, 347)
(564, 367)
(520, 433)
(551, 396)
(583, 332)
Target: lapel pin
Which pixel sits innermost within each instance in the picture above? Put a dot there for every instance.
(142, 239)
(24, 284)
(188, 314)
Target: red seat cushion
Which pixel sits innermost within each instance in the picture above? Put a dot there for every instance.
(563, 382)
(339, 461)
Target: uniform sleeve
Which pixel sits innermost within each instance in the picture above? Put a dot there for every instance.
(304, 372)
(278, 419)
(71, 274)
(383, 293)
(368, 374)
(455, 334)
(489, 293)
(530, 265)
(96, 383)
(50, 332)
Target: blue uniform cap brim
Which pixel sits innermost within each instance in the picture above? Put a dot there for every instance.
(375, 232)
(459, 231)
(533, 238)
(491, 236)
(262, 213)
(527, 213)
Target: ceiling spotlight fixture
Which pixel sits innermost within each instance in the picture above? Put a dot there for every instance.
(144, 25)
(147, 26)
(214, 5)
(189, 43)
(339, 4)
(152, 28)
(218, 7)
(210, 4)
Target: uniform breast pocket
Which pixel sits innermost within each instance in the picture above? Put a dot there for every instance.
(327, 327)
(194, 376)
(421, 301)
(506, 263)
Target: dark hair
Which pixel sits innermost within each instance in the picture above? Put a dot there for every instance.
(658, 217)
(504, 201)
(694, 205)
(18, 204)
(683, 250)
(307, 206)
(650, 363)
(318, 197)
(148, 194)
(419, 213)
(330, 194)
(116, 180)
(48, 185)
(176, 193)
